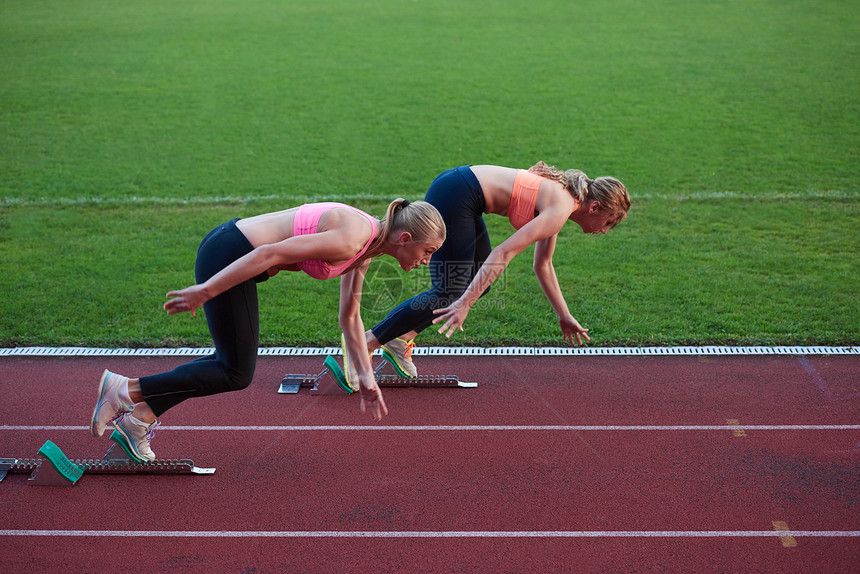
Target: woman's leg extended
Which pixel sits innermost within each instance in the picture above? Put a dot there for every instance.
(233, 320)
(460, 200)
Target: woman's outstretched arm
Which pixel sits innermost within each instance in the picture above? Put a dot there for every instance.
(545, 272)
(337, 244)
(546, 224)
(356, 343)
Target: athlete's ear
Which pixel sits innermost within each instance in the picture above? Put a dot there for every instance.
(405, 237)
(594, 207)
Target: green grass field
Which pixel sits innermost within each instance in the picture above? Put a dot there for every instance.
(127, 131)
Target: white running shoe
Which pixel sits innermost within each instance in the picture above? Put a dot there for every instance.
(134, 437)
(399, 353)
(113, 401)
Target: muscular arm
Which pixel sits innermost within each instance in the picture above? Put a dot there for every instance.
(546, 276)
(337, 244)
(548, 280)
(356, 344)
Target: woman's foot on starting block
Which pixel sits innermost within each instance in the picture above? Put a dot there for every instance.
(349, 370)
(399, 353)
(134, 437)
(113, 401)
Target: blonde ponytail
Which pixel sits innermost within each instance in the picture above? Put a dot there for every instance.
(607, 191)
(419, 218)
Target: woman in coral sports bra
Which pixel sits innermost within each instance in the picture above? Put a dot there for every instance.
(324, 240)
(538, 202)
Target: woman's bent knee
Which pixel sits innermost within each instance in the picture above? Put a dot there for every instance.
(240, 380)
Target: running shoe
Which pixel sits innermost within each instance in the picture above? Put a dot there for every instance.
(349, 369)
(399, 353)
(134, 437)
(113, 401)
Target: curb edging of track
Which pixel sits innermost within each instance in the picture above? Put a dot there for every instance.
(442, 351)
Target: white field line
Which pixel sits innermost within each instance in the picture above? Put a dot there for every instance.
(294, 199)
(747, 195)
(288, 200)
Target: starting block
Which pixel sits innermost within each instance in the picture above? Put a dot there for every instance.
(332, 381)
(56, 469)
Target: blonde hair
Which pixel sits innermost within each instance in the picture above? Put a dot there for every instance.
(419, 218)
(607, 191)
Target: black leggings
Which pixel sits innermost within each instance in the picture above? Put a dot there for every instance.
(459, 198)
(234, 323)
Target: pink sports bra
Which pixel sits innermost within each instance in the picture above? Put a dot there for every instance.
(307, 220)
(523, 198)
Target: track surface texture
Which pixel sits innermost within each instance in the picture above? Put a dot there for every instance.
(552, 464)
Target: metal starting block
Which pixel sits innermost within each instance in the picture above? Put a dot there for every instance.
(331, 381)
(56, 469)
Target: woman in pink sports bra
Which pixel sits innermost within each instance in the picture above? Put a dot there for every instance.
(538, 202)
(324, 240)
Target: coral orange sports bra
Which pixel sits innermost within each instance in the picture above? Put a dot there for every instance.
(523, 198)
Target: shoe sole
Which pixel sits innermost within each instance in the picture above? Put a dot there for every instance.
(125, 444)
(386, 354)
(94, 420)
(346, 367)
(338, 375)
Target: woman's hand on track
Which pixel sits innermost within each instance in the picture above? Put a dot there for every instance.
(371, 399)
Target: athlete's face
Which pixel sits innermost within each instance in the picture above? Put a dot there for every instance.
(412, 255)
(602, 223)
(599, 221)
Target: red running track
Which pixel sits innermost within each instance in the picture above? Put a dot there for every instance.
(613, 464)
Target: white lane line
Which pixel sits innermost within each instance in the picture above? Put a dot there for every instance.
(353, 428)
(434, 533)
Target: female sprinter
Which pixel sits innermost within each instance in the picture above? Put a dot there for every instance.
(538, 202)
(324, 240)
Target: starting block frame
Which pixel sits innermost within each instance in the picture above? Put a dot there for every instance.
(56, 469)
(331, 381)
